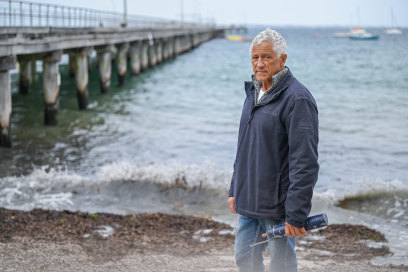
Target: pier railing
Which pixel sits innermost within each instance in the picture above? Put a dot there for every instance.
(29, 14)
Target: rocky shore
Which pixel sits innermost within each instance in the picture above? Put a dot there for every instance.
(42, 240)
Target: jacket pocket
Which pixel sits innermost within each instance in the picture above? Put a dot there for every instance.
(268, 193)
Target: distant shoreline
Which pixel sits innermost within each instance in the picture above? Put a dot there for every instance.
(61, 240)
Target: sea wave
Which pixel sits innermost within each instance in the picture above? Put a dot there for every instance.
(203, 176)
(45, 187)
(59, 189)
(385, 199)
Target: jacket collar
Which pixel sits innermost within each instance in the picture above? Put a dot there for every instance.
(282, 86)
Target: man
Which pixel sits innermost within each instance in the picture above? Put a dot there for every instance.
(276, 166)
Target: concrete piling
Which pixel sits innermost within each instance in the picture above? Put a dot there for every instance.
(81, 76)
(176, 46)
(144, 56)
(105, 67)
(24, 75)
(165, 54)
(5, 109)
(6, 64)
(152, 55)
(189, 39)
(159, 51)
(51, 85)
(135, 58)
(170, 48)
(121, 62)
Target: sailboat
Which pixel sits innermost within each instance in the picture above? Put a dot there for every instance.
(358, 33)
(393, 30)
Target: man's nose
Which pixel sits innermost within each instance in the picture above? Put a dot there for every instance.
(260, 63)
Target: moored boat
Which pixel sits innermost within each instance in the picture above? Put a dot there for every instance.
(237, 38)
(393, 31)
(358, 33)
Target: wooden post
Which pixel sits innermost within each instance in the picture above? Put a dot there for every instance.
(165, 54)
(81, 76)
(189, 42)
(6, 64)
(159, 51)
(51, 84)
(171, 50)
(176, 46)
(121, 62)
(135, 58)
(105, 67)
(152, 55)
(144, 56)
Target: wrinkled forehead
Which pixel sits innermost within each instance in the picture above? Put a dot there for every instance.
(263, 47)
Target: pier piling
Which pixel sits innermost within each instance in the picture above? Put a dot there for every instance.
(135, 58)
(121, 62)
(152, 55)
(159, 51)
(6, 64)
(105, 67)
(170, 48)
(81, 76)
(176, 46)
(144, 56)
(51, 84)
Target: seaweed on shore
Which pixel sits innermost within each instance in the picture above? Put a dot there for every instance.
(344, 241)
(169, 234)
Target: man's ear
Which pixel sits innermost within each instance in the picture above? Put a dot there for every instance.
(283, 58)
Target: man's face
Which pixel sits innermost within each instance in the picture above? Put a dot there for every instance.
(265, 61)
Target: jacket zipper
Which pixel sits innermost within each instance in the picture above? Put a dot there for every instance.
(262, 104)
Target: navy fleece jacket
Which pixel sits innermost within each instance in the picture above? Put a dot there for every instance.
(276, 166)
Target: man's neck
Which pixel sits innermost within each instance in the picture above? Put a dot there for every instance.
(266, 85)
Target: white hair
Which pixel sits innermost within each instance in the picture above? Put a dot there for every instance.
(269, 35)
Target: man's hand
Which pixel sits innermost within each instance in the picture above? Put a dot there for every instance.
(291, 231)
(231, 203)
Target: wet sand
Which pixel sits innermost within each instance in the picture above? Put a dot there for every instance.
(42, 240)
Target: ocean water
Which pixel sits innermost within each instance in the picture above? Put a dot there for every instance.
(166, 140)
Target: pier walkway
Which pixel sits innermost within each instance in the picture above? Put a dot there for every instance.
(31, 32)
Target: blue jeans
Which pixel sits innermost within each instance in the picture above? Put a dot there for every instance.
(250, 259)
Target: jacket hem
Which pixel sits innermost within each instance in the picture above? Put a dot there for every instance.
(272, 216)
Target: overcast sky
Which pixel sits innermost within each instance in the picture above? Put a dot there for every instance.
(267, 12)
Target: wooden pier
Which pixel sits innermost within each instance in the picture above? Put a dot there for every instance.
(31, 32)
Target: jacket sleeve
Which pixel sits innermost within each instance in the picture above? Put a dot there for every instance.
(303, 136)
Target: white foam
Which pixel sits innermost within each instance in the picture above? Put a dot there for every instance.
(377, 185)
(205, 176)
(42, 188)
(368, 186)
